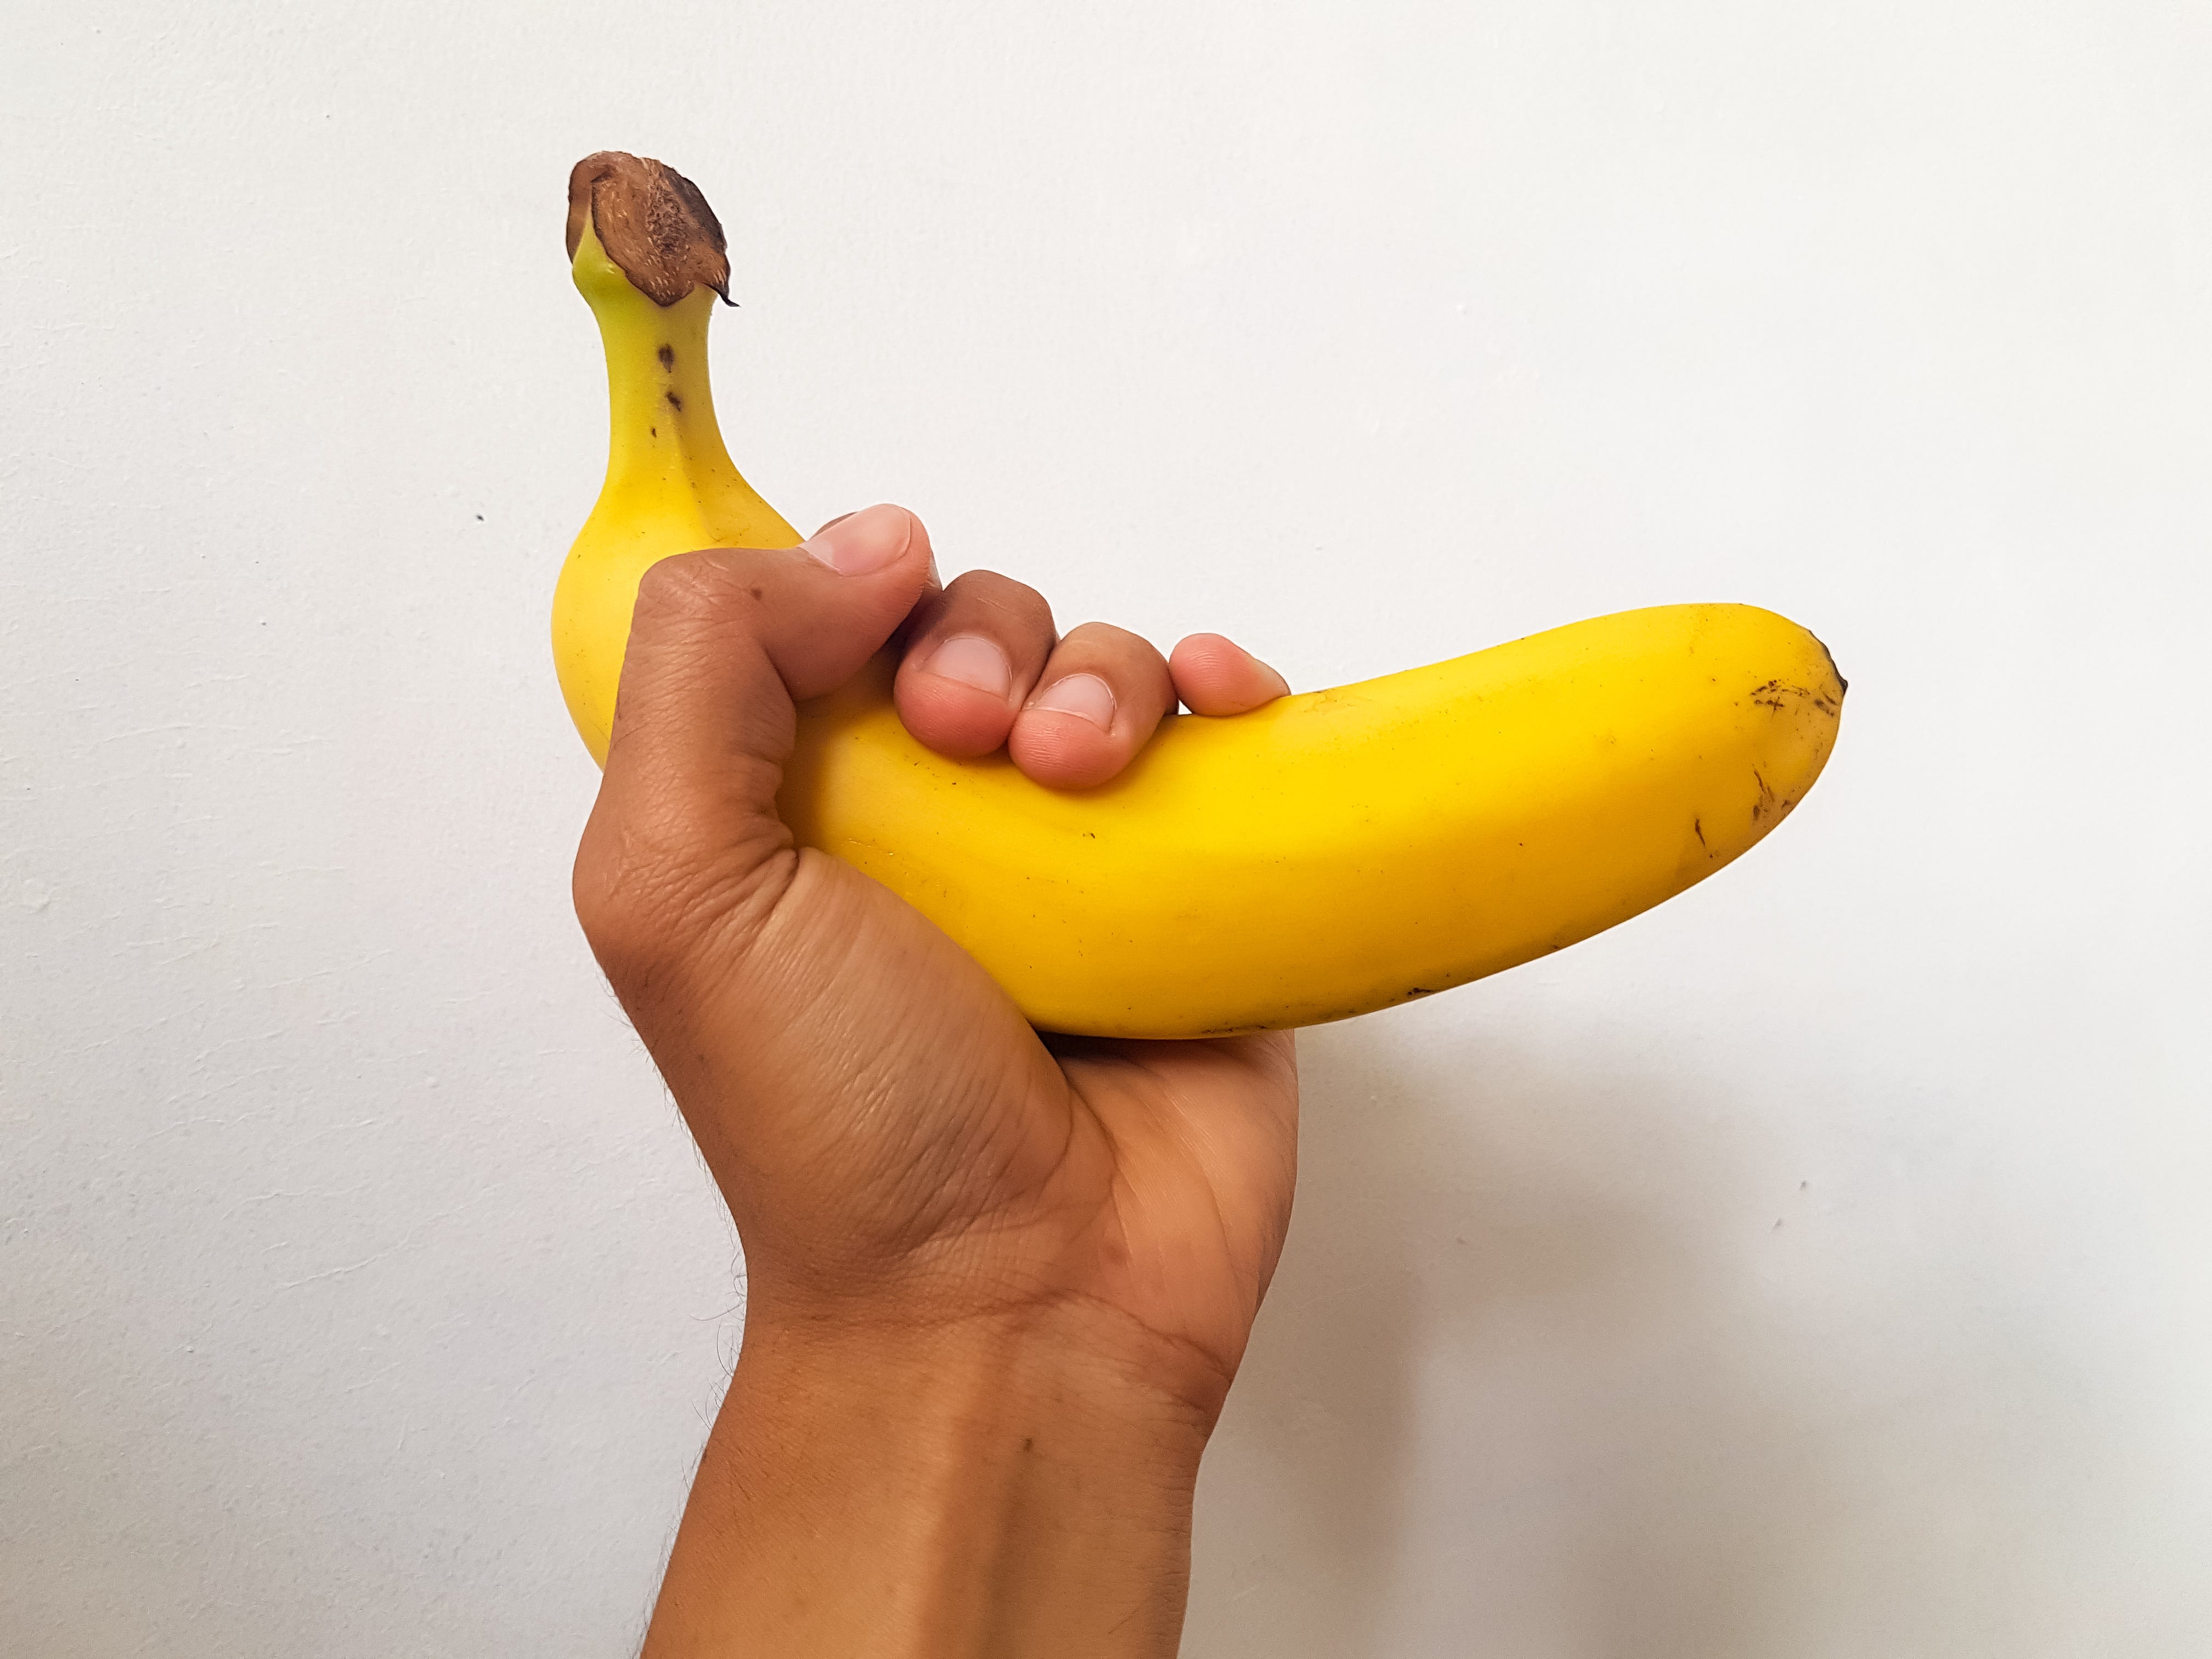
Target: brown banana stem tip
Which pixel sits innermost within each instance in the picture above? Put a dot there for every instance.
(653, 222)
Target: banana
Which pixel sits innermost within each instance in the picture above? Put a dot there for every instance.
(1324, 856)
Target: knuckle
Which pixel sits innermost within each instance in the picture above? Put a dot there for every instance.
(1106, 636)
(616, 887)
(653, 898)
(985, 584)
(1116, 650)
(648, 925)
(604, 907)
(990, 589)
(677, 582)
(678, 591)
(1207, 656)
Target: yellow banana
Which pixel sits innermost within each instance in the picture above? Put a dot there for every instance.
(1324, 856)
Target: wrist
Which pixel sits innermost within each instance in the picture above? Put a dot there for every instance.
(1003, 1485)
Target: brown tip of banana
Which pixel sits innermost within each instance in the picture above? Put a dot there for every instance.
(653, 222)
(1842, 684)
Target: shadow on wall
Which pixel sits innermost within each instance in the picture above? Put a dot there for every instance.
(1499, 1400)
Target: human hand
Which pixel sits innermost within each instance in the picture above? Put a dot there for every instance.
(998, 1283)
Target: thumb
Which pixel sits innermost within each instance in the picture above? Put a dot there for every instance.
(722, 644)
(722, 641)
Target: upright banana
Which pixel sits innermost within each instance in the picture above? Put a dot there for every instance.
(1324, 856)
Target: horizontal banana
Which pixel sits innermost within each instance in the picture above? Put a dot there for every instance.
(1323, 856)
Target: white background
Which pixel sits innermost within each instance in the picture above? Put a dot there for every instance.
(1820, 1266)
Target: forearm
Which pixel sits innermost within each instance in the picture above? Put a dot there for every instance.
(961, 1494)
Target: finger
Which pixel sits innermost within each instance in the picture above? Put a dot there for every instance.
(1216, 676)
(1101, 694)
(973, 654)
(731, 631)
(930, 583)
(722, 643)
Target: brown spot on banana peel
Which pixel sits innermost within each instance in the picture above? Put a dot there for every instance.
(1775, 694)
(654, 223)
(1765, 802)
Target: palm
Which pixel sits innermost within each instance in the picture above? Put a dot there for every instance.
(972, 1162)
(1194, 1194)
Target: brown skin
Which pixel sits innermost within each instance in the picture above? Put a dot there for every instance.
(998, 1283)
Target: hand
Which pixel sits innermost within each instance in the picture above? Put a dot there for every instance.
(998, 1283)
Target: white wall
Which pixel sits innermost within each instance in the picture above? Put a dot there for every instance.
(1820, 1266)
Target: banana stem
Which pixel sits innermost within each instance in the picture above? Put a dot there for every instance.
(649, 254)
(662, 434)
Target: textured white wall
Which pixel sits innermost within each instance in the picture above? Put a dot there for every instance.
(1820, 1266)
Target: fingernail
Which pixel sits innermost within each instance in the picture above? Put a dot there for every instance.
(973, 660)
(1085, 694)
(862, 542)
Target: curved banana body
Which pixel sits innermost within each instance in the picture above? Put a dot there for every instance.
(1324, 856)
(1344, 850)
